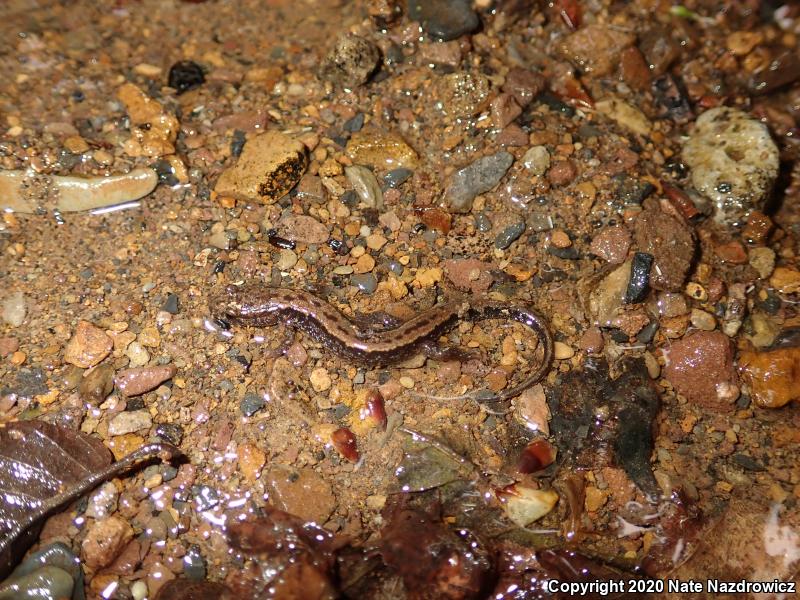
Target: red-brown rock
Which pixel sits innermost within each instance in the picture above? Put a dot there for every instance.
(700, 367)
(612, 244)
(133, 382)
(672, 245)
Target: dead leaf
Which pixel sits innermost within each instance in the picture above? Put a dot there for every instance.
(43, 467)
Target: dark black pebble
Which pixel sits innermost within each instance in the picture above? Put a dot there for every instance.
(186, 75)
(570, 253)
(396, 177)
(648, 332)
(251, 404)
(237, 143)
(638, 285)
(748, 463)
(194, 565)
(171, 304)
(170, 432)
(509, 235)
(354, 124)
(444, 19)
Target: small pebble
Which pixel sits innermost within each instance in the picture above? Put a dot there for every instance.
(638, 284)
(129, 422)
(251, 404)
(562, 351)
(560, 239)
(762, 260)
(186, 75)
(354, 124)
(350, 62)
(785, 280)
(14, 309)
(137, 381)
(365, 185)
(8, 345)
(509, 235)
(103, 502)
(104, 541)
(482, 223)
(194, 565)
(476, 178)
(700, 366)
(407, 382)
(320, 379)
(396, 177)
(703, 320)
(364, 264)
(611, 244)
(302, 228)
(139, 590)
(172, 306)
(251, 461)
(88, 346)
(271, 164)
(536, 160)
(366, 283)
(286, 260)
(137, 354)
(170, 432)
(302, 492)
(444, 19)
(97, 384)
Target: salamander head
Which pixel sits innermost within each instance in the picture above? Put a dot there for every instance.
(247, 304)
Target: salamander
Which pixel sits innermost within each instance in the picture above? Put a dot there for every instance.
(262, 306)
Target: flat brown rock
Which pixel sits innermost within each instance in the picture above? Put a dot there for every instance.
(271, 164)
(301, 492)
(133, 382)
(88, 346)
(672, 245)
(700, 366)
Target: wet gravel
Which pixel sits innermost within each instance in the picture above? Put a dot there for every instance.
(388, 155)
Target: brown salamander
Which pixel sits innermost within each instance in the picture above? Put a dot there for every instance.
(263, 306)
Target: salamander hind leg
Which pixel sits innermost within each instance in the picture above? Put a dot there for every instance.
(436, 351)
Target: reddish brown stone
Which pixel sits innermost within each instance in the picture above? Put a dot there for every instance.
(524, 85)
(469, 274)
(513, 135)
(612, 244)
(757, 228)
(671, 243)
(562, 173)
(104, 541)
(592, 341)
(435, 218)
(700, 367)
(133, 382)
(732, 252)
(596, 48)
(504, 110)
(88, 346)
(634, 69)
(8, 345)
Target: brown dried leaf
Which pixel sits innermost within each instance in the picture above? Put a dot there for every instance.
(44, 467)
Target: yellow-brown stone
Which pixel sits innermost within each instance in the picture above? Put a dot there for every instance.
(271, 164)
(773, 376)
(381, 150)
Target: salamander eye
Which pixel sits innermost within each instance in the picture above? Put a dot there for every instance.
(230, 290)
